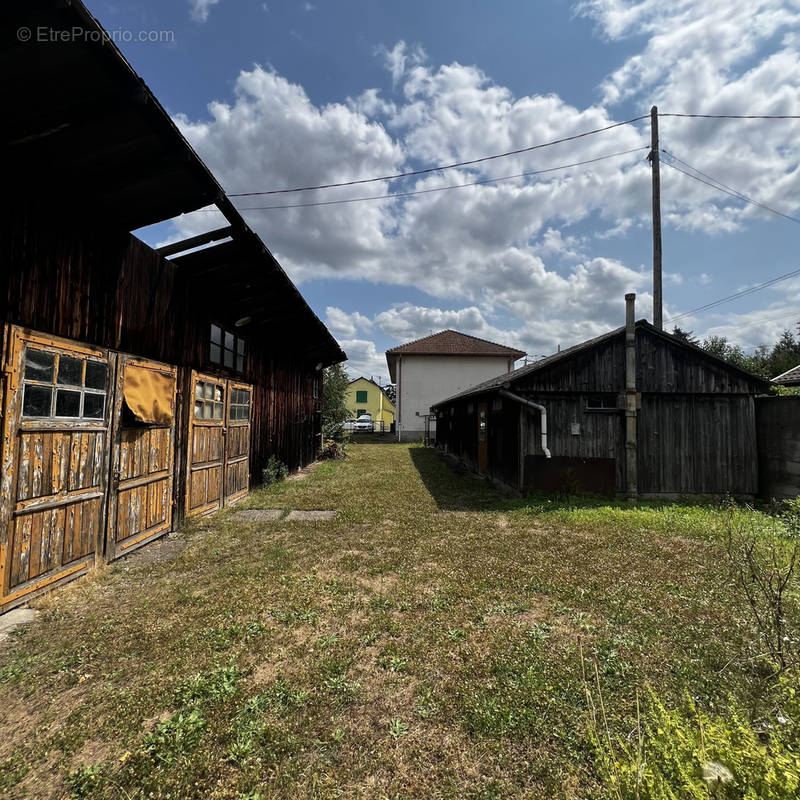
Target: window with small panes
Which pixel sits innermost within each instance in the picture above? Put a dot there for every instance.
(227, 349)
(61, 386)
(208, 400)
(240, 405)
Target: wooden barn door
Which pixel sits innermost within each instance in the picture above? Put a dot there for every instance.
(142, 458)
(237, 441)
(217, 466)
(55, 456)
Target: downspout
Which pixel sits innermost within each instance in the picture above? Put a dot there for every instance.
(631, 487)
(541, 409)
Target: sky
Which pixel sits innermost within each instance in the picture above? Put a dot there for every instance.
(279, 95)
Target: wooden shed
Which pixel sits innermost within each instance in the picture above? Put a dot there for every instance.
(139, 387)
(636, 411)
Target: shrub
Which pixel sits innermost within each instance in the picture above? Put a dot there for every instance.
(274, 472)
(762, 565)
(333, 450)
(687, 754)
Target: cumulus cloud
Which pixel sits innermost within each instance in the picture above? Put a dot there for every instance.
(200, 9)
(505, 249)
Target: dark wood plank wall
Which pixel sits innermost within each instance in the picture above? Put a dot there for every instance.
(778, 425)
(111, 290)
(697, 430)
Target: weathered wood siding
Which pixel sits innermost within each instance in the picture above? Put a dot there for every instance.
(702, 444)
(696, 421)
(112, 290)
(778, 425)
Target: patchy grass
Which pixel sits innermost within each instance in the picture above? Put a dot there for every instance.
(422, 644)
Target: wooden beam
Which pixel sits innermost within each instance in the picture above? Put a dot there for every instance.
(195, 241)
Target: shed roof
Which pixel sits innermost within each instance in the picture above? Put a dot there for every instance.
(790, 378)
(501, 381)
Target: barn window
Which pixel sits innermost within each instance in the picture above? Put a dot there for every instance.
(315, 387)
(599, 401)
(470, 408)
(207, 400)
(59, 386)
(497, 404)
(227, 349)
(240, 405)
(361, 397)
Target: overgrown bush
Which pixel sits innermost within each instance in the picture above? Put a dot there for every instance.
(274, 472)
(688, 754)
(333, 450)
(763, 566)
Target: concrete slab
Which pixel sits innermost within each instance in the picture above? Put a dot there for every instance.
(311, 516)
(259, 514)
(13, 619)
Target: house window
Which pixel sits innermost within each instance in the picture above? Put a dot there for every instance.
(361, 397)
(207, 400)
(240, 405)
(360, 411)
(59, 386)
(599, 402)
(227, 349)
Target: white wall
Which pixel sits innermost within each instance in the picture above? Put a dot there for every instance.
(425, 380)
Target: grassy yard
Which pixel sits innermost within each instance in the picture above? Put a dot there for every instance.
(424, 644)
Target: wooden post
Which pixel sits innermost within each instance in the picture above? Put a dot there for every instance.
(654, 163)
(631, 482)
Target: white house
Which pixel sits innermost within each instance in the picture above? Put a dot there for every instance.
(432, 369)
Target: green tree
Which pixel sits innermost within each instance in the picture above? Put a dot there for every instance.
(785, 354)
(687, 336)
(334, 411)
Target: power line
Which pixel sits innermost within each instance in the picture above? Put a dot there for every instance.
(508, 153)
(443, 188)
(714, 183)
(737, 295)
(444, 166)
(731, 116)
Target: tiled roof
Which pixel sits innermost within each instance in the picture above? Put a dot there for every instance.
(791, 376)
(453, 343)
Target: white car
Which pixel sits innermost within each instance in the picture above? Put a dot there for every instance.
(349, 425)
(363, 423)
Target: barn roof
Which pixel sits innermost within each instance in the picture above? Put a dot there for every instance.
(502, 381)
(87, 140)
(449, 343)
(790, 378)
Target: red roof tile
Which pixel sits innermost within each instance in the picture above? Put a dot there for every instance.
(453, 343)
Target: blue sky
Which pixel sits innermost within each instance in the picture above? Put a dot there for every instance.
(285, 94)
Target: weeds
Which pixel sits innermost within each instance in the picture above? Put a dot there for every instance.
(763, 568)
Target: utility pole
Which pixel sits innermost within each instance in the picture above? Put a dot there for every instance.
(654, 163)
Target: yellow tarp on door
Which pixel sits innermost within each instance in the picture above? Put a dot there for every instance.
(149, 394)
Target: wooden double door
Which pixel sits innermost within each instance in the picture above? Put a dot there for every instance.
(84, 478)
(218, 460)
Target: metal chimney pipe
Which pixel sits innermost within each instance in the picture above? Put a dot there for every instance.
(631, 398)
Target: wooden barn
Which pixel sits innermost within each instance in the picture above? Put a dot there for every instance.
(139, 386)
(633, 412)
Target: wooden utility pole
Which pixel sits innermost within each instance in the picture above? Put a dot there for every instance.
(654, 163)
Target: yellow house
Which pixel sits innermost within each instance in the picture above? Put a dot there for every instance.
(366, 397)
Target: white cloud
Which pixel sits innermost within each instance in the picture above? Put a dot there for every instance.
(504, 249)
(199, 9)
(343, 324)
(364, 360)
